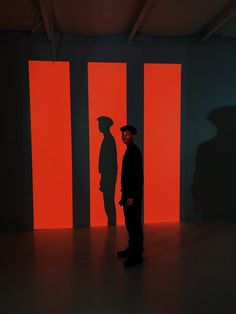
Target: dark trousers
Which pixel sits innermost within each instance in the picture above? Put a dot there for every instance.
(134, 227)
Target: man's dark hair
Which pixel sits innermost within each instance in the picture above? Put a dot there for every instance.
(130, 128)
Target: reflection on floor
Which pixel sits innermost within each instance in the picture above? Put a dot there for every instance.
(188, 269)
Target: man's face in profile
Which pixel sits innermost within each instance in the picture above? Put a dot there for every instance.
(103, 126)
(127, 137)
(99, 126)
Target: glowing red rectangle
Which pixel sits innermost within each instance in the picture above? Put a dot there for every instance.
(107, 97)
(162, 93)
(51, 144)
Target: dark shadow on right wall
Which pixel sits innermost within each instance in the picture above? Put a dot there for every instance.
(214, 182)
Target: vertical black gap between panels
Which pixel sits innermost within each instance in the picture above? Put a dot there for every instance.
(183, 133)
(80, 143)
(135, 96)
(28, 176)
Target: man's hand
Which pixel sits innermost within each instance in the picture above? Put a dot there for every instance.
(130, 202)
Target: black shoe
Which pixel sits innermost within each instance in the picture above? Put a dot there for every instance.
(133, 261)
(123, 254)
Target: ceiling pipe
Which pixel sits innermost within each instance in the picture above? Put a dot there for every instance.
(37, 22)
(48, 17)
(225, 18)
(37, 26)
(140, 19)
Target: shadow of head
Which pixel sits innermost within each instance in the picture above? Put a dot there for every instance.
(223, 118)
(104, 124)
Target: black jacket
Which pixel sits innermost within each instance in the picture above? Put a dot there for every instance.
(132, 172)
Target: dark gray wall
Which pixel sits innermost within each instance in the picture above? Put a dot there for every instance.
(208, 81)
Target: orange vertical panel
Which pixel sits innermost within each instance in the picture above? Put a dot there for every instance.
(162, 105)
(51, 144)
(107, 97)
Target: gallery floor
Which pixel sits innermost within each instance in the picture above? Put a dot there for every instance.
(188, 269)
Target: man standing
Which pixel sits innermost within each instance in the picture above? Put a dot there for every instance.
(132, 194)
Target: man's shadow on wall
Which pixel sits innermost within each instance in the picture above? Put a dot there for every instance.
(108, 168)
(214, 183)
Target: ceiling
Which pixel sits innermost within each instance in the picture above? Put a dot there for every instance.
(162, 18)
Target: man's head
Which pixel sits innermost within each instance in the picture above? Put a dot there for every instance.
(104, 123)
(128, 133)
